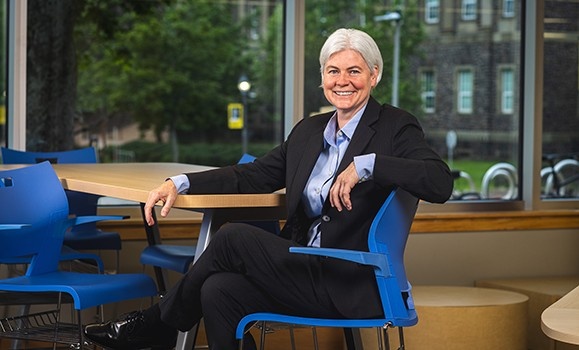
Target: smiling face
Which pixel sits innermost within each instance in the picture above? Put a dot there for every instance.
(347, 82)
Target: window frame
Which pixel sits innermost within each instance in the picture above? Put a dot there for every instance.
(468, 10)
(508, 8)
(506, 95)
(432, 11)
(463, 94)
(428, 94)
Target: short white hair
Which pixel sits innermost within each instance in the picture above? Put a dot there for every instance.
(352, 39)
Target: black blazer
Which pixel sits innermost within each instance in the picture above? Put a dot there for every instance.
(402, 158)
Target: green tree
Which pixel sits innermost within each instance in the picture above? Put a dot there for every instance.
(325, 16)
(52, 63)
(175, 69)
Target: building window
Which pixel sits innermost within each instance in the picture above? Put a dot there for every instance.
(464, 91)
(428, 91)
(468, 10)
(507, 93)
(508, 8)
(432, 11)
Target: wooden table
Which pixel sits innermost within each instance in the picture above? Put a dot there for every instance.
(560, 321)
(133, 181)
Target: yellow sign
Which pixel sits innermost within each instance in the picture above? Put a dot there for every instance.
(2, 115)
(235, 116)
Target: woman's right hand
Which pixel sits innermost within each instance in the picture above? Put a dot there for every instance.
(166, 194)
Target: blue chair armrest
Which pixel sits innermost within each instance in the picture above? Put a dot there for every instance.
(376, 260)
(12, 226)
(79, 220)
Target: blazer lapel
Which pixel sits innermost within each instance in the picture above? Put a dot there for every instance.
(362, 135)
(311, 152)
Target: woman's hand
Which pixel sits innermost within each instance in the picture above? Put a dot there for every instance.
(166, 193)
(340, 190)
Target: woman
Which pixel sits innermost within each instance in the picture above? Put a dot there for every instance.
(337, 169)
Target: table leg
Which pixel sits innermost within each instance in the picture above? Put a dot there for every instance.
(209, 224)
(154, 238)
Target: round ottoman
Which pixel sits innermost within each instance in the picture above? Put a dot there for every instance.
(470, 318)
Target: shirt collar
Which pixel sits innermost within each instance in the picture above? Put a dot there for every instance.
(348, 129)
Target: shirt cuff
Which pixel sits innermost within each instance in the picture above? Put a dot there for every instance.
(365, 166)
(181, 182)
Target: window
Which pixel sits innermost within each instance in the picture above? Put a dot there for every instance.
(3, 70)
(507, 93)
(508, 8)
(483, 138)
(468, 10)
(432, 11)
(464, 91)
(428, 91)
(155, 79)
(560, 151)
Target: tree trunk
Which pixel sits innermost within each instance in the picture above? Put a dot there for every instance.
(51, 75)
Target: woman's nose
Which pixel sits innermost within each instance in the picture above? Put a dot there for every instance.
(342, 79)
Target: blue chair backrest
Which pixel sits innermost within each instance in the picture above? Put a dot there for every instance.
(33, 195)
(388, 235)
(81, 204)
(246, 158)
(83, 155)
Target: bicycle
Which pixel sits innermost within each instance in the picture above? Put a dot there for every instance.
(560, 178)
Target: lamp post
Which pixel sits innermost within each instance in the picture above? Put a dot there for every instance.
(396, 17)
(244, 86)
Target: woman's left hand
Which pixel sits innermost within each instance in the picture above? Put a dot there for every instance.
(340, 190)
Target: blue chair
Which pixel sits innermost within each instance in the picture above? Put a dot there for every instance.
(34, 198)
(12, 226)
(81, 237)
(387, 241)
(179, 257)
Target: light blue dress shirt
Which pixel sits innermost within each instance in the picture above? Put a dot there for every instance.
(318, 186)
(316, 191)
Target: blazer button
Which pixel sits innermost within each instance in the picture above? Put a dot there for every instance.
(325, 218)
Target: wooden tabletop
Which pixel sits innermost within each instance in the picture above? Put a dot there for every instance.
(560, 321)
(133, 181)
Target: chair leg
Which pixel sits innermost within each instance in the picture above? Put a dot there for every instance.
(353, 339)
(401, 338)
(80, 332)
(118, 262)
(383, 338)
(315, 335)
(262, 336)
(292, 337)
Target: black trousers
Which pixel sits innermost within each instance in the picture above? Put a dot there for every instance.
(245, 270)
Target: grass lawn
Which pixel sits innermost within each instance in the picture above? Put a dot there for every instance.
(476, 170)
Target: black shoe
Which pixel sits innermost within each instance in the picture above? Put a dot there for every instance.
(132, 331)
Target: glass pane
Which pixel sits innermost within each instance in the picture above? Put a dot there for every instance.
(485, 157)
(560, 172)
(155, 80)
(507, 91)
(3, 70)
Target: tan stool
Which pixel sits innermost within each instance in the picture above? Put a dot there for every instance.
(542, 292)
(467, 318)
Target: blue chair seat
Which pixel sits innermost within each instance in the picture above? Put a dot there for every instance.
(87, 290)
(92, 240)
(173, 257)
(66, 254)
